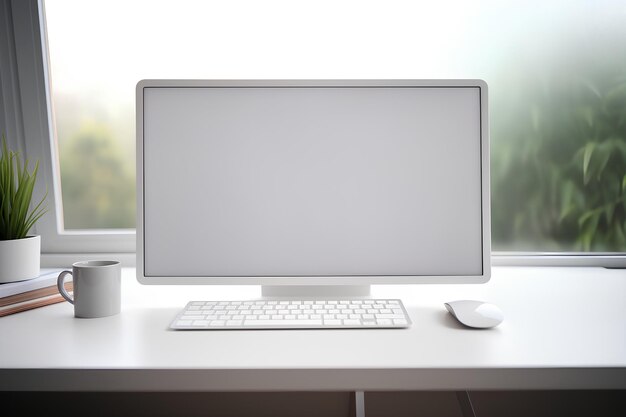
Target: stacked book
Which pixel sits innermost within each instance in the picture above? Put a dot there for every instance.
(32, 293)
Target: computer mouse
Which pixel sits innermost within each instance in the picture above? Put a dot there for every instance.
(476, 314)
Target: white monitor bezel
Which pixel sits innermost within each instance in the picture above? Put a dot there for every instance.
(317, 280)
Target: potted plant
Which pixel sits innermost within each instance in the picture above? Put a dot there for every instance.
(19, 252)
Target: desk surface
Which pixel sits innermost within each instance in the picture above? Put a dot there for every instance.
(564, 328)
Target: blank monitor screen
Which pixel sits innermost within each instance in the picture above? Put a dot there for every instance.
(311, 180)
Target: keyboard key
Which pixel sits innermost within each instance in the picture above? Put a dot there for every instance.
(282, 322)
(389, 316)
(192, 317)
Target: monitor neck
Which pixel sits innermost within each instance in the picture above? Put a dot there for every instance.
(309, 291)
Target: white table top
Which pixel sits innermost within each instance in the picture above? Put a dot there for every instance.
(564, 328)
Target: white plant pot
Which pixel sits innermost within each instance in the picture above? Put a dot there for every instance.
(20, 259)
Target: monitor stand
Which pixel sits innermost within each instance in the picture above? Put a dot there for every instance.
(313, 291)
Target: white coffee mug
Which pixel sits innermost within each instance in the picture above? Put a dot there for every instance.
(97, 288)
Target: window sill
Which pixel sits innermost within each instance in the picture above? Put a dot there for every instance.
(128, 259)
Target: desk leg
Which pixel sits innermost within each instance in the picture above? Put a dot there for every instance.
(359, 403)
(467, 409)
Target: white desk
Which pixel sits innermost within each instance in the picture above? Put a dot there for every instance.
(564, 328)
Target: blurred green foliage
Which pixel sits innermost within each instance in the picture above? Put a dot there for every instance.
(559, 163)
(98, 183)
(558, 166)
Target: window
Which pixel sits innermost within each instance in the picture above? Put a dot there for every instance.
(556, 71)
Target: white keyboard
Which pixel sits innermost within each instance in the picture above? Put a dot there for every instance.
(292, 314)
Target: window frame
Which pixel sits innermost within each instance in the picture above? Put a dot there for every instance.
(24, 73)
(33, 111)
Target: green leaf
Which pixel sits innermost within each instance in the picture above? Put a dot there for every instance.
(589, 230)
(582, 220)
(602, 158)
(588, 152)
(16, 190)
(620, 237)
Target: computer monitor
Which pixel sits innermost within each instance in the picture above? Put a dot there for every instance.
(331, 183)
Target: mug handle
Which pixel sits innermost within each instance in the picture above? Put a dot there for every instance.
(61, 287)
